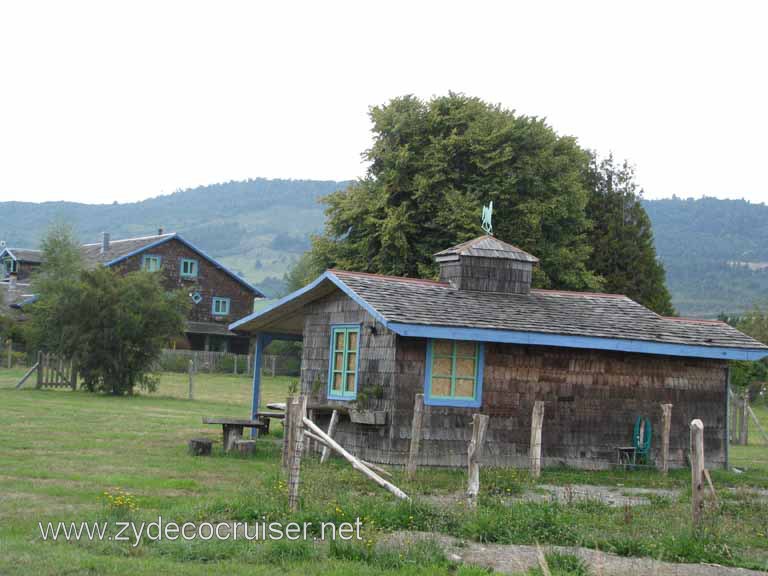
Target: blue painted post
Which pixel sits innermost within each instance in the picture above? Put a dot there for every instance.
(262, 340)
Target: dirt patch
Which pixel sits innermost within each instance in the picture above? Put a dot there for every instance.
(615, 496)
(514, 559)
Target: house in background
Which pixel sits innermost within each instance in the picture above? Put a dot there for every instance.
(218, 296)
(19, 262)
(482, 340)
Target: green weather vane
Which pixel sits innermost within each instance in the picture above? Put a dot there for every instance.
(487, 215)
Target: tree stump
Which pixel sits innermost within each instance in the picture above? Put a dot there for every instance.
(245, 447)
(200, 447)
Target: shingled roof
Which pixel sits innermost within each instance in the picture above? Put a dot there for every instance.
(412, 307)
(119, 249)
(23, 254)
(486, 247)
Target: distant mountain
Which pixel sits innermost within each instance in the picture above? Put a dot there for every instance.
(256, 227)
(715, 251)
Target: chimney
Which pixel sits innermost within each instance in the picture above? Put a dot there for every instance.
(487, 264)
(105, 242)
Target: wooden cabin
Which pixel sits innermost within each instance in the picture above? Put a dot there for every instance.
(217, 295)
(482, 340)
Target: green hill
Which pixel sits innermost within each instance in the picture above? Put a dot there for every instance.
(715, 251)
(257, 227)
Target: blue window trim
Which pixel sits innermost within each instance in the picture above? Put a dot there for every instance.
(344, 396)
(216, 299)
(195, 267)
(475, 402)
(146, 258)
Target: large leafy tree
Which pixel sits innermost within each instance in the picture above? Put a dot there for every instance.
(623, 253)
(432, 167)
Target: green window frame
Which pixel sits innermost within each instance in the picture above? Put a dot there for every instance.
(188, 268)
(344, 364)
(220, 306)
(151, 263)
(454, 375)
(11, 266)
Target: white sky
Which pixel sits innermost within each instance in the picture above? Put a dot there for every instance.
(101, 101)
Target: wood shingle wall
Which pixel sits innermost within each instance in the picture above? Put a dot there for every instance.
(592, 398)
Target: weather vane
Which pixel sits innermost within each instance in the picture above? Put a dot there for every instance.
(487, 215)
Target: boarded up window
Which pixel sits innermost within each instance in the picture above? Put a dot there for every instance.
(454, 376)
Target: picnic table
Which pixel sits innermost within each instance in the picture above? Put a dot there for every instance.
(233, 427)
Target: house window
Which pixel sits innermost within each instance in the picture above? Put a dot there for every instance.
(188, 268)
(220, 306)
(150, 263)
(454, 373)
(344, 364)
(196, 297)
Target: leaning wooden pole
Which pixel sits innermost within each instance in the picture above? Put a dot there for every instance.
(418, 419)
(191, 371)
(535, 453)
(356, 462)
(331, 431)
(27, 375)
(474, 453)
(666, 428)
(697, 471)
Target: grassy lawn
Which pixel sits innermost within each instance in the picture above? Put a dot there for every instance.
(61, 450)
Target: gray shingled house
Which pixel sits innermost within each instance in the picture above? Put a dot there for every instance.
(482, 340)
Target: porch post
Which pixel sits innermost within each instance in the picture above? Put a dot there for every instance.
(262, 340)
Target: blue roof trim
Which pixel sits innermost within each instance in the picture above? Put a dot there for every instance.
(195, 249)
(564, 341)
(328, 275)
(513, 337)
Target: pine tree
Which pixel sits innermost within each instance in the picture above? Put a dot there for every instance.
(623, 253)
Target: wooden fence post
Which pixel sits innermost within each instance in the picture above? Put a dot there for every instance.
(298, 409)
(331, 431)
(73, 375)
(418, 419)
(697, 471)
(10, 353)
(666, 428)
(535, 453)
(40, 368)
(744, 420)
(234, 364)
(274, 363)
(287, 433)
(191, 371)
(474, 453)
(734, 424)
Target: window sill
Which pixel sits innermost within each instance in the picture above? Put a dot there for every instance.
(453, 403)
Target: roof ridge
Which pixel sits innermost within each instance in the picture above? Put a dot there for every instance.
(390, 277)
(133, 239)
(694, 320)
(577, 293)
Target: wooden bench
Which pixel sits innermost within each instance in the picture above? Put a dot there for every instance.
(233, 427)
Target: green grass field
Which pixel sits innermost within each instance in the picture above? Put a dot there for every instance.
(60, 451)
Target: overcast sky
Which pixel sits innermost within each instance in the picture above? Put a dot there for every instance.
(104, 101)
